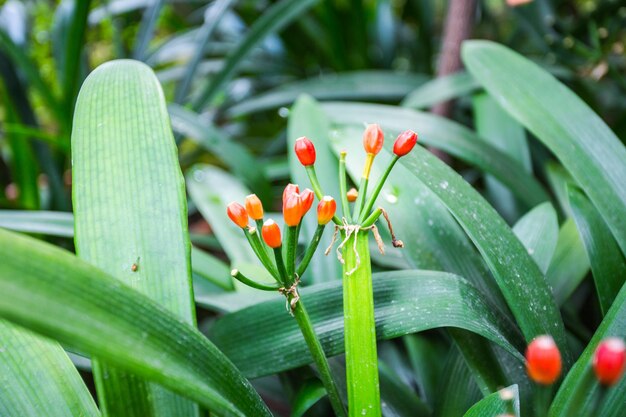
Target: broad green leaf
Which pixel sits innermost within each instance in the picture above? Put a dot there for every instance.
(211, 269)
(273, 20)
(607, 262)
(495, 126)
(574, 395)
(307, 119)
(237, 157)
(520, 280)
(569, 264)
(538, 230)
(54, 223)
(211, 189)
(457, 389)
(263, 339)
(578, 137)
(65, 298)
(446, 135)
(38, 379)
(559, 179)
(358, 85)
(130, 217)
(441, 89)
(494, 405)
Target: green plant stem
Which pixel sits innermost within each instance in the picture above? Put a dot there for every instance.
(541, 400)
(310, 251)
(291, 238)
(360, 330)
(251, 283)
(319, 357)
(343, 188)
(372, 218)
(317, 188)
(259, 250)
(282, 272)
(379, 186)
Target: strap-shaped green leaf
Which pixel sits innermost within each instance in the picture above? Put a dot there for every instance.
(563, 122)
(494, 405)
(130, 213)
(263, 339)
(538, 230)
(61, 296)
(38, 379)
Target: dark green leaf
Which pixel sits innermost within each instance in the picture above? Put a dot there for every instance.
(441, 89)
(493, 405)
(538, 230)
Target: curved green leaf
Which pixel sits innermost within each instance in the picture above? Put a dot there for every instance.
(274, 19)
(493, 404)
(358, 85)
(54, 223)
(448, 136)
(131, 218)
(63, 297)
(263, 339)
(38, 379)
(441, 89)
(563, 122)
(538, 230)
(607, 262)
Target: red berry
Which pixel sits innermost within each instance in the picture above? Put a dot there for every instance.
(543, 360)
(608, 360)
(373, 139)
(271, 234)
(305, 151)
(237, 214)
(405, 143)
(292, 209)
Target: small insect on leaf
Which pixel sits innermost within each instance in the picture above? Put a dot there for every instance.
(135, 266)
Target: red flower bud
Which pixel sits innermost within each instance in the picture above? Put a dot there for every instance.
(352, 195)
(373, 139)
(271, 234)
(237, 214)
(254, 207)
(307, 196)
(292, 209)
(305, 151)
(326, 209)
(543, 360)
(608, 360)
(405, 143)
(290, 189)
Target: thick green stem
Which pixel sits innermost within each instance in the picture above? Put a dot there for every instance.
(319, 357)
(291, 240)
(360, 330)
(310, 251)
(379, 186)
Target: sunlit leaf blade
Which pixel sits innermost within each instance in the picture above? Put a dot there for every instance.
(570, 263)
(38, 379)
(274, 19)
(575, 394)
(264, 339)
(520, 280)
(359, 85)
(538, 230)
(63, 297)
(446, 135)
(579, 138)
(130, 218)
(441, 89)
(493, 404)
(607, 262)
(307, 119)
(54, 223)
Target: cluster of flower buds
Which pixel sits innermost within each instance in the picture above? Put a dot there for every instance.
(543, 360)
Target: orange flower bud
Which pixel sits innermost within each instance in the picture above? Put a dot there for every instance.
(373, 139)
(608, 360)
(254, 207)
(405, 143)
(352, 195)
(307, 196)
(271, 234)
(292, 209)
(543, 360)
(326, 209)
(305, 151)
(237, 214)
(290, 189)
